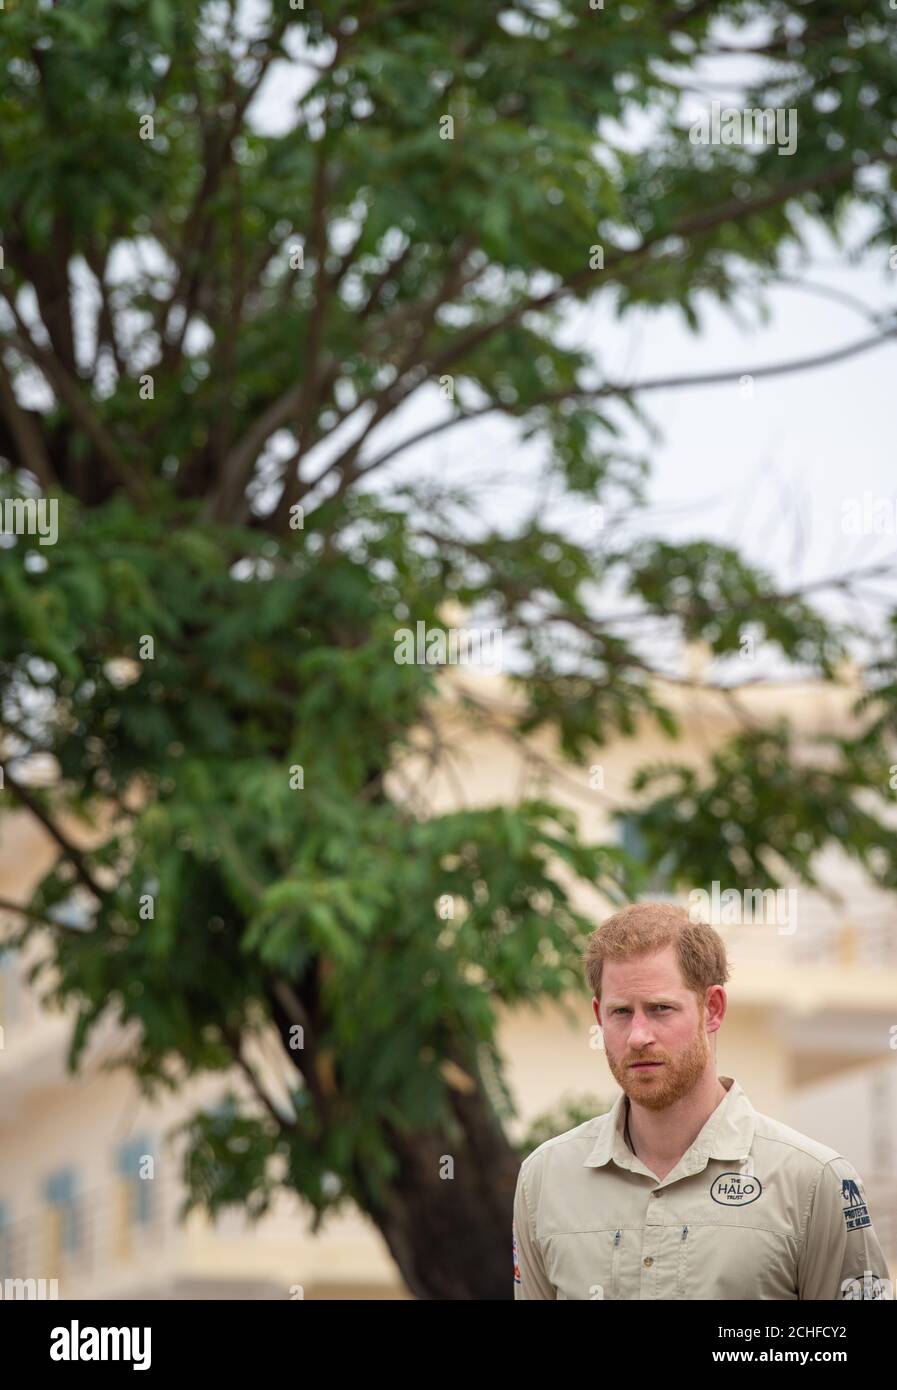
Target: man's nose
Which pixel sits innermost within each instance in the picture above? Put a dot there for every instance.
(641, 1033)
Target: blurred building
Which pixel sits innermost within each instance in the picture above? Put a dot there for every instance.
(89, 1183)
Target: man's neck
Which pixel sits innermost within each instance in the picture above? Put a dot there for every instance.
(659, 1138)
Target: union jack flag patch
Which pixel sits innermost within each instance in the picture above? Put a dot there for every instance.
(517, 1278)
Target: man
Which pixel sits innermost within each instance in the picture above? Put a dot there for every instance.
(682, 1190)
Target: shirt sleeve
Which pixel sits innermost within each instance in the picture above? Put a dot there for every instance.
(530, 1278)
(841, 1257)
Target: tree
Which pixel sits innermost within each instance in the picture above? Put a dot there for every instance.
(210, 336)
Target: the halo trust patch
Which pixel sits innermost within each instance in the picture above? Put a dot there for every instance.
(517, 1279)
(735, 1189)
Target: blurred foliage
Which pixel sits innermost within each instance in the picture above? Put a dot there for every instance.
(569, 1112)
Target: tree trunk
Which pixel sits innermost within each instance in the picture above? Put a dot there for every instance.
(450, 1236)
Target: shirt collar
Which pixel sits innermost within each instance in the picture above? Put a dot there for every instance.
(728, 1134)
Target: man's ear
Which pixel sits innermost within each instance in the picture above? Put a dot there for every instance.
(596, 1010)
(715, 1004)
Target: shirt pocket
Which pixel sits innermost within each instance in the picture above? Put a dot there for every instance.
(721, 1261)
(585, 1265)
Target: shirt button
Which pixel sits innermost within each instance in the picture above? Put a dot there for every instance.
(647, 1260)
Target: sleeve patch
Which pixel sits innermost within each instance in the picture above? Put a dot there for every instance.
(856, 1214)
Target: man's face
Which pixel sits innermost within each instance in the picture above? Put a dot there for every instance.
(647, 1014)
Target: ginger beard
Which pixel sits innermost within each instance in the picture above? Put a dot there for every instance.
(658, 1088)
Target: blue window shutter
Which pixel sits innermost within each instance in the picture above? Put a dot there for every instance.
(128, 1160)
(61, 1190)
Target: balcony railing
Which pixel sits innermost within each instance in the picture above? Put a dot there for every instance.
(97, 1233)
(816, 943)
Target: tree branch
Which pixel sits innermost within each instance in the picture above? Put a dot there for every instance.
(7, 906)
(386, 400)
(735, 209)
(237, 465)
(191, 261)
(32, 452)
(73, 855)
(106, 335)
(803, 364)
(234, 1043)
(68, 390)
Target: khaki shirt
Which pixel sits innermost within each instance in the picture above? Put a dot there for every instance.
(752, 1210)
